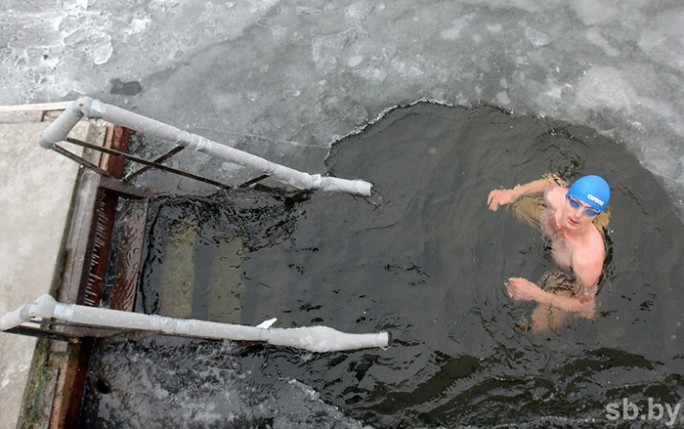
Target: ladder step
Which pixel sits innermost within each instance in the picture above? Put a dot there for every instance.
(225, 284)
(177, 278)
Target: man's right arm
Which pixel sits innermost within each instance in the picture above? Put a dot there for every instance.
(500, 197)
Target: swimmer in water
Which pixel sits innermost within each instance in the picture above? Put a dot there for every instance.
(577, 247)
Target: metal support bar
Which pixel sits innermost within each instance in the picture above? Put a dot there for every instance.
(68, 332)
(122, 188)
(253, 181)
(146, 162)
(39, 333)
(159, 160)
(60, 150)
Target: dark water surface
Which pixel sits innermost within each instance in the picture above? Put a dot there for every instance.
(423, 259)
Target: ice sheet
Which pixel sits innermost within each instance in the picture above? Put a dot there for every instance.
(295, 77)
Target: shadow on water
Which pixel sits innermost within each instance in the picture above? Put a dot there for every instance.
(425, 260)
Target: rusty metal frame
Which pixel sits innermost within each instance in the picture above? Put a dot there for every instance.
(86, 268)
(147, 164)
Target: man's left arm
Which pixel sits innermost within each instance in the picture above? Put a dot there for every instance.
(587, 270)
(524, 290)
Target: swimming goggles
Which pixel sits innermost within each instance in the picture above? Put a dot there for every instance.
(576, 204)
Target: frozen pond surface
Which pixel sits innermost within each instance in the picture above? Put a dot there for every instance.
(284, 79)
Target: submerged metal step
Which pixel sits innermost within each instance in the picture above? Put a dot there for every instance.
(177, 280)
(225, 283)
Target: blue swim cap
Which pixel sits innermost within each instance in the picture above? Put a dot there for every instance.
(592, 190)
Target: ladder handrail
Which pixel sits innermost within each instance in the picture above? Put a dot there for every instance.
(94, 109)
(319, 339)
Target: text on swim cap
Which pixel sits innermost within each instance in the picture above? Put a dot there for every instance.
(595, 199)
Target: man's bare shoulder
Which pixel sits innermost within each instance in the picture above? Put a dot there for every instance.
(597, 244)
(555, 196)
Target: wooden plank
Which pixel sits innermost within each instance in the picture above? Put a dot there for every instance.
(17, 117)
(129, 259)
(60, 105)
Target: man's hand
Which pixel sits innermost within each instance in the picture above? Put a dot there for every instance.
(521, 289)
(500, 197)
(587, 309)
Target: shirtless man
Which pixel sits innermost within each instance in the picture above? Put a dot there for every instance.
(577, 245)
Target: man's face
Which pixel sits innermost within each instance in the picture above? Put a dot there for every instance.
(574, 216)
